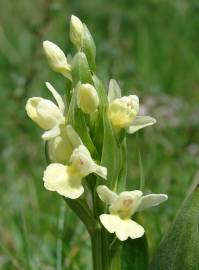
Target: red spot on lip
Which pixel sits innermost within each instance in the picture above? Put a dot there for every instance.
(127, 203)
(81, 162)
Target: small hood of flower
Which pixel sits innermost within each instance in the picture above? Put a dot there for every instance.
(122, 207)
(47, 114)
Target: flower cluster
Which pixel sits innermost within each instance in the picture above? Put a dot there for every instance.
(84, 133)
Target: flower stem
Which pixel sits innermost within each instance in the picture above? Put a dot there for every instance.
(96, 243)
(105, 249)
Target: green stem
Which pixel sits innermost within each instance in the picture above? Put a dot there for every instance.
(115, 255)
(96, 244)
(80, 207)
(105, 249)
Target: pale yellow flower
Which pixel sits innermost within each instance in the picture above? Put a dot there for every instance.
(67, 180)
(122, 111)
(122, 207)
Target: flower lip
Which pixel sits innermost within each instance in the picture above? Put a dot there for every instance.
(59, 178)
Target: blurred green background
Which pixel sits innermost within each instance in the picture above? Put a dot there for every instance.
(152, 48)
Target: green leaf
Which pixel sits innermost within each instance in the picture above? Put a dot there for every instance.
(111, 146)
(135, 254)
(111, 157)
(121, 186)
(46, 153)
(180, 247)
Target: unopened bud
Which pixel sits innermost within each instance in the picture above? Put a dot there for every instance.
(57, 59)
(122, 111)
(87, 98)
(76, 31)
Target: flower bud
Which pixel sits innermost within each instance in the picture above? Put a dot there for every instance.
(76, 31)
(87, 98)
(57, 59)
(122, 111)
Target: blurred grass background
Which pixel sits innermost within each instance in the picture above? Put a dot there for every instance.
(150, 47)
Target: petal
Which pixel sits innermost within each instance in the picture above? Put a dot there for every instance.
(60, 148)
(57, 177)
(52, 133)
(151, 200)
(31, 109)
(128, 228)
(49, 113)
(114, 90)
(110, 222)
(139, 123)
(106, 195)
(73, 136)
(123, 228)
(56, 96)
(100, 170)
(87, 98)
(133, 194)
(127, 203)
(81, 160)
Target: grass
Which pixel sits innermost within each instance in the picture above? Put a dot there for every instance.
(151, 47)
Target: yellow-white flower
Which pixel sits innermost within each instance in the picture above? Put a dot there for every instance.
(123, 111)
(67, 180)
(76, 31)
(47, 114)
(57, 59)
(87, 98)
(122, 207)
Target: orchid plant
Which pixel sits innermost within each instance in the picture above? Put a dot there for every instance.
(85, 142)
